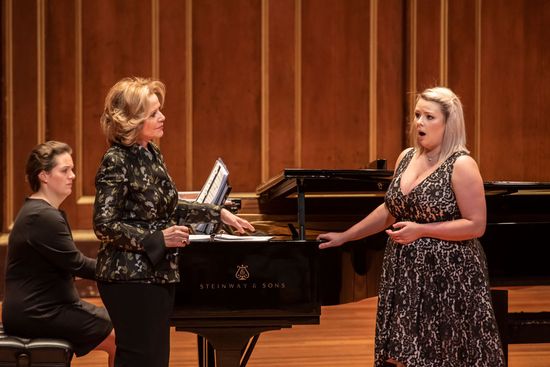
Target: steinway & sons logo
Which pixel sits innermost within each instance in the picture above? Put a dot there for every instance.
(242, 275)
(242, 272)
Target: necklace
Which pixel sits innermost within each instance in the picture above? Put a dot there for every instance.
(430, 159)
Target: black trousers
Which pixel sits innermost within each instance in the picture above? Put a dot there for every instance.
(141, 317)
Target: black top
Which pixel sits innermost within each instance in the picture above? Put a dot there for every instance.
(42, 261)
(41, 300)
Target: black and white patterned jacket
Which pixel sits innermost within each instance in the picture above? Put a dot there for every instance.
(135, 200)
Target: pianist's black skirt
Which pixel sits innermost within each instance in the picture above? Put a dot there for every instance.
(82, 324)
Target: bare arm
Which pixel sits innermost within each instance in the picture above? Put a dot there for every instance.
(375, 222)
(470, 195)
(379, 219)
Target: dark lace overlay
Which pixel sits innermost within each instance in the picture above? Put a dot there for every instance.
(434, 306)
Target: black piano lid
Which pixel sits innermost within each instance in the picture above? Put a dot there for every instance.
(519, 187)
(367, 180)
(335, 173)
(324, 180)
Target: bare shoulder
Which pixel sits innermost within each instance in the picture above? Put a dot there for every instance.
(466, 171)
(465, 164)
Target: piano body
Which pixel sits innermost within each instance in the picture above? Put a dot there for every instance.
(287, 280)
(230, 292)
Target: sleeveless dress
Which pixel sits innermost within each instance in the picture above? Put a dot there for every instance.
(434, 306)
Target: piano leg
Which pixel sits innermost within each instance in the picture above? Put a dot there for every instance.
(247, 352)
(205, 352)
(500, 306)
(232, 345)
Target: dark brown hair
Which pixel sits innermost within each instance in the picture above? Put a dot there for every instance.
(42, 158)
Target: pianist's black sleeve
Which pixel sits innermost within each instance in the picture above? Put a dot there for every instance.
(49, 234)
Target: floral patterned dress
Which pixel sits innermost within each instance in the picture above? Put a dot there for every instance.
(434, 306)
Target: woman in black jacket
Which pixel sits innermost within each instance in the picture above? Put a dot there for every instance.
(136, 217)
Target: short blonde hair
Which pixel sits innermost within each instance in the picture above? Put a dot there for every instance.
(126, 106)
(454, 138)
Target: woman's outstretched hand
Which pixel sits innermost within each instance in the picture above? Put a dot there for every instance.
(240, 224)
(331, 239)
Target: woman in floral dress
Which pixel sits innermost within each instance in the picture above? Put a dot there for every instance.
(434, 306)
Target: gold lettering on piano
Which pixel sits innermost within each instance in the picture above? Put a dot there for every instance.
(241, 275)
(232, 286)
(215, 286)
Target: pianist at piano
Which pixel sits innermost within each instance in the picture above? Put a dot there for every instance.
(136, 214)
(434, 306)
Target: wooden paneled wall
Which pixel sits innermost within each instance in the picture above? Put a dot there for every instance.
(269, 84)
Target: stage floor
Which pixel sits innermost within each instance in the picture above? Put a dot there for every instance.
(345, 337)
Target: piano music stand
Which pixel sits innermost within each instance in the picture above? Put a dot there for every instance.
(299, 181)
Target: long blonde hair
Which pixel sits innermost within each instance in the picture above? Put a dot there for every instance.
(454, 138)
(126, 106)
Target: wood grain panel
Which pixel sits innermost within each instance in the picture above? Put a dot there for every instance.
(116, 42)
(226, 85)
(536, 133)
(25, 95)
(335, 78)
(61, 96)
(6, 208)
(428, 16)
(173, 72)
(502, 36)
(515, 94)
(462, 61)
(307, 63)
(391, 122)
(281, 73)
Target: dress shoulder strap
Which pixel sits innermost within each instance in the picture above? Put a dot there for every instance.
(405, 161)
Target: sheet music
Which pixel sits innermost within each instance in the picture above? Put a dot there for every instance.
(223, 237)
(214, 191)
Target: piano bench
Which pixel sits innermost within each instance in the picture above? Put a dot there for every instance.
(39, 352)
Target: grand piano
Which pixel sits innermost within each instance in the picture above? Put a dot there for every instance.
(231, 292)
